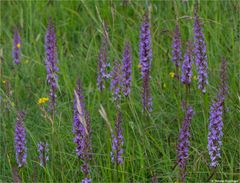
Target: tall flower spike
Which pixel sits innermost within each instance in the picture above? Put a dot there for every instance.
(184, 143)
(117, 141)
(16, 47)
(127, 69)
(116, 82)
(78, 118)
(145, 54)
(51, 63)
(87, 151)
(200, 54)
(102, 63)
(20, 140)
(176, 47)
(81, 129)
(216, 119)
(187, 66)
(43, 153)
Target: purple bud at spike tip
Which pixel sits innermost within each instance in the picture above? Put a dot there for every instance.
(176, 47)
(102, 65)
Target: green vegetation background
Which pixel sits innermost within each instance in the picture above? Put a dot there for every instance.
(150, 143)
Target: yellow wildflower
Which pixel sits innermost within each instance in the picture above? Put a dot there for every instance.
(42, 100)
(194, 77)
(172, 74)
(139, 66)
(18, 45)
(4, 81)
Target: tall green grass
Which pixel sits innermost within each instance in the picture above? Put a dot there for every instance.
(150, 143)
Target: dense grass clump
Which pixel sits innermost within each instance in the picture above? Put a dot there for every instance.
(137, 126)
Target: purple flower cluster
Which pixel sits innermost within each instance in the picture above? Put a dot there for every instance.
(127, 69)
(43, 153)
(16, 47)
(116, 81)
(187, 66)
(102, 65)
(215, 131)
(117, 141)
(176, 47)
(184, 143)
(200, 54)
(79, 119)
(51, 63)
(20, 140)
(216, 119)
(81, 130)
(145, 54)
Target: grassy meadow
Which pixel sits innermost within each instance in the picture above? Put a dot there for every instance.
(149, 141)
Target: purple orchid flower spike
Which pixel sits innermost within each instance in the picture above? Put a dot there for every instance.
(20, 141)
(184, 143)
(127, 69)
(200, 54)
(145, 54)
(51, 63)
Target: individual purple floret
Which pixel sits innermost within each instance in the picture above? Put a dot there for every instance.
(216, 119)
(16, 47)
(200, 54)
(51, 63)
(184, 143)
(20, 140)
(43, 153)
(86, 180)
(176, 47)
(145, 54)
(117, 141)
(127, 69)
(81, 129)
(102, 65)
(116, 81)
(187, 66)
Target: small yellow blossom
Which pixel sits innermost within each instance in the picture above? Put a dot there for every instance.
(18, 45)
(194, 77)
(42, 100)
(4, 81)
(139, 66)
(172, 74)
